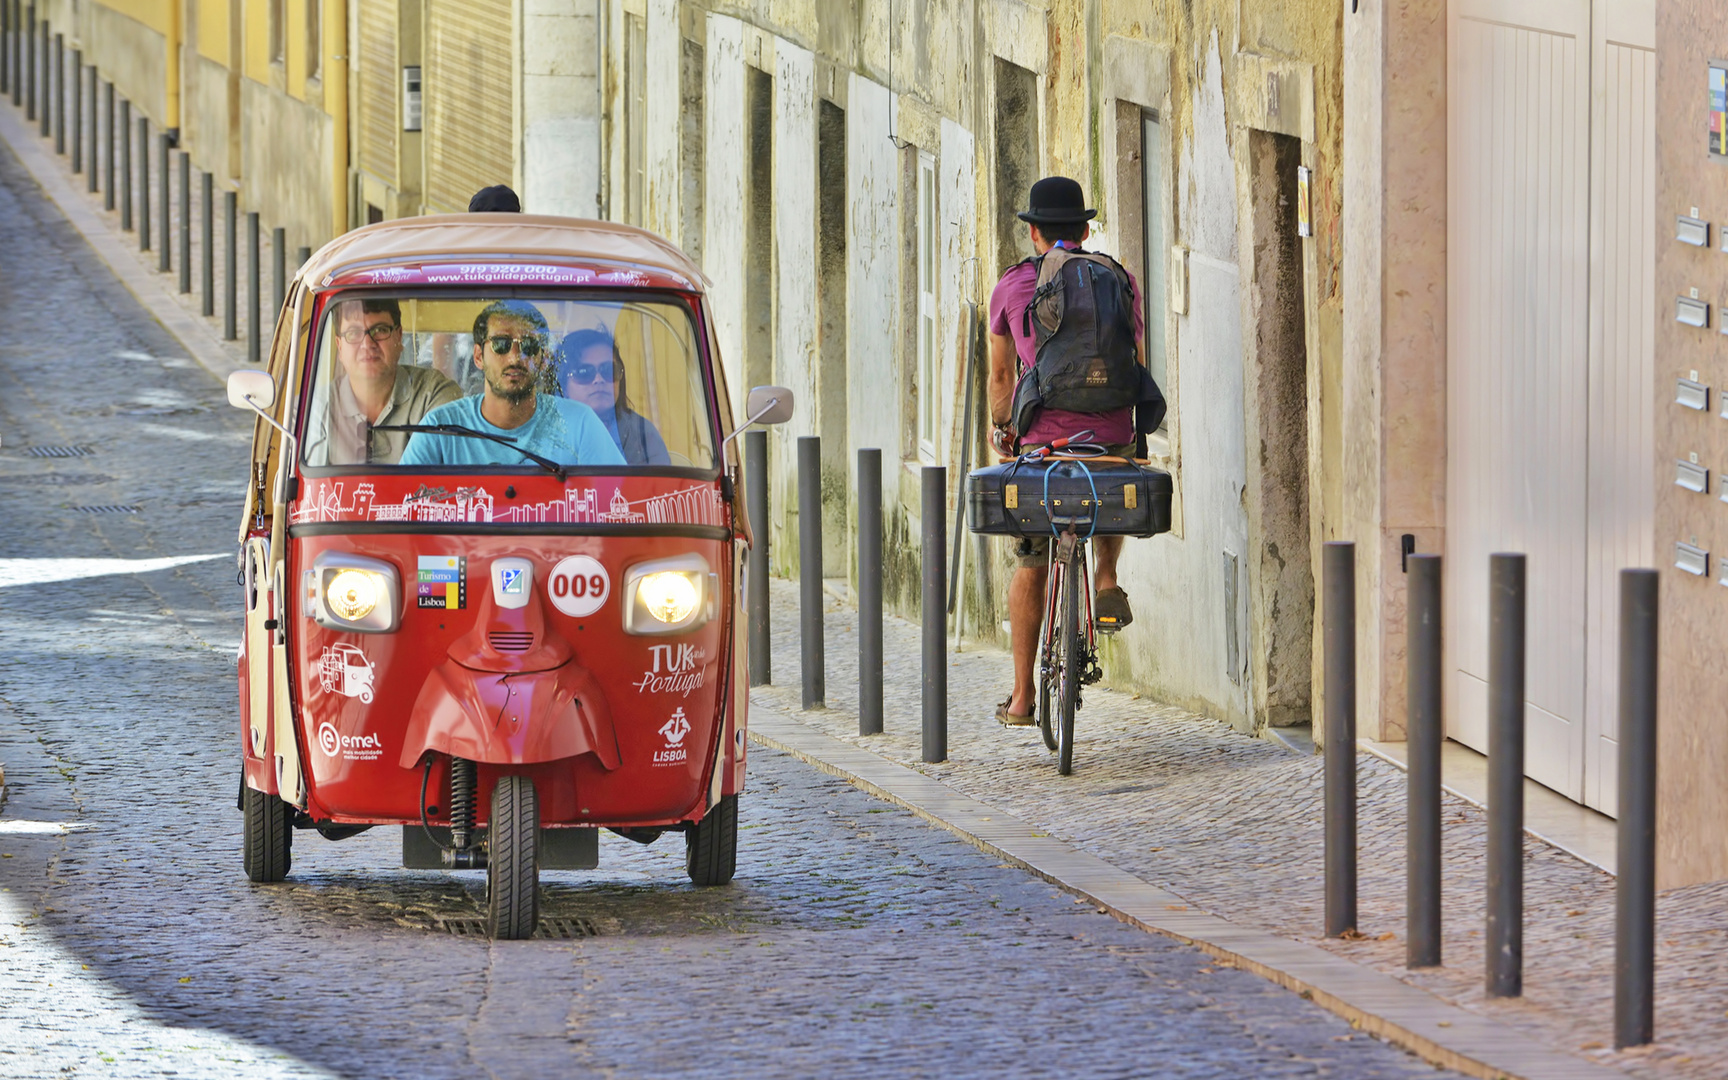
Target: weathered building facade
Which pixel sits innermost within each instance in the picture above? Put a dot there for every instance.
(855, 168)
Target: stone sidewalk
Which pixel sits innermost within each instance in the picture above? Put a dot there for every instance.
(1232, 826)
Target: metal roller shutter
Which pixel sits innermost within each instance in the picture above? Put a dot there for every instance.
(379, 92)
(469, 119)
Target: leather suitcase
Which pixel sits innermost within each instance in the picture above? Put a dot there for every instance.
(1105, 497)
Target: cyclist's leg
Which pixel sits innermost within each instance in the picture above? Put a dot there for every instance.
(1025, 619)
(1105, 551)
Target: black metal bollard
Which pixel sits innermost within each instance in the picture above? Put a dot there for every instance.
(869, 592)
(45, 67)
(5, 46)
(278, 269)
(30, 63)
(1635, 882)
(756, 571)
(60, 94)
(185, 222)
(810, 644)
(254, 343)
(108, 192)
(164, 202)
(1504, 936)
(1339, 570)
(95, 134)
(1423, 682)
(77, 135)
(231, 267)
(207, 238)
(933, 511)
(123, 138)
(143, 183)
(301, 258)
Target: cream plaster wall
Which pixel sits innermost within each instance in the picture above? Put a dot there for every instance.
(723, 208)
(560, 123)
(286, 150)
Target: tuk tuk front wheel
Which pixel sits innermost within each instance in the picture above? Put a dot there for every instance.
(711, 845)
(269, 834)
(513, 861)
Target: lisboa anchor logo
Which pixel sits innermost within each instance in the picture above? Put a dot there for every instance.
(674, 730)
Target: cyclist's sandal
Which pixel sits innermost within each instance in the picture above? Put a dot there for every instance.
(1110, 611)
(1008, 719)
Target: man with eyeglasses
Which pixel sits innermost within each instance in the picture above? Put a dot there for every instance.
(371, 386)
(510, 349)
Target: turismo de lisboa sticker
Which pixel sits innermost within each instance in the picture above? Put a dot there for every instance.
(443, 582)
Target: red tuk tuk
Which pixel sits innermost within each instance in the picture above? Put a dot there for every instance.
(491, 554)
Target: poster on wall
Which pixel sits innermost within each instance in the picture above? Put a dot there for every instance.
(1719, 109)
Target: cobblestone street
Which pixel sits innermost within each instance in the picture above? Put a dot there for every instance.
(857, 939)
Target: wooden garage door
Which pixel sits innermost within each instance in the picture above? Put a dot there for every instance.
(469, 110)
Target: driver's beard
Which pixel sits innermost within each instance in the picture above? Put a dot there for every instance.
(511, 396)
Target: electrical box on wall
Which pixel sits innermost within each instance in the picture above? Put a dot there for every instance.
(411, 98)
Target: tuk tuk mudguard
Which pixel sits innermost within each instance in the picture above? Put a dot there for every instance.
(510, 717)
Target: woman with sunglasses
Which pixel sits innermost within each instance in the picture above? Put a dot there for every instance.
(590, 370)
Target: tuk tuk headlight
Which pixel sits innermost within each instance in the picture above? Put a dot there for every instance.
(668, 596)
(353, 593)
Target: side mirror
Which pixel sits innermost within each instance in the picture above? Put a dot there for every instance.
(250, 388)
(767, 405)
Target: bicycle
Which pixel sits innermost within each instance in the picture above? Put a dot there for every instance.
(1068, 645)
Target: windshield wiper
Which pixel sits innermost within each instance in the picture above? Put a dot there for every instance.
(456, 429)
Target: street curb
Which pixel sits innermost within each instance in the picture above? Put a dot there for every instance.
(199, 340)
(1401, 1014)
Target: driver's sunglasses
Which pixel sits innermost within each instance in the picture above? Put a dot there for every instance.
(584, 373)
(377, 332)
(532, 344)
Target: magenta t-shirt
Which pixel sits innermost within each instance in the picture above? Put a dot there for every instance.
(1007, 310)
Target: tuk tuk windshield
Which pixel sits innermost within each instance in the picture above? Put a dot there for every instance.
(584, 381)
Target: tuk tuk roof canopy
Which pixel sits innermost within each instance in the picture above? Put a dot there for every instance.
(500, 248)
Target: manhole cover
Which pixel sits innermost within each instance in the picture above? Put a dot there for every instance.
(107, 508)
(549, 928)
(58, 451)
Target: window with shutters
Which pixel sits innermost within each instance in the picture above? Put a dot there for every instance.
(468, 99)
(928, 406)
(314, 37)
(376, 113)
(277, 45)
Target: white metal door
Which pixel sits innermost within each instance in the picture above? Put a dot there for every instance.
(1549, 335)
(1622, 355)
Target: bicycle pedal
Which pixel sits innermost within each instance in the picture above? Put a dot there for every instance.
(1107, 627)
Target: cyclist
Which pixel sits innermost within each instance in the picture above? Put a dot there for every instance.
(1057, 217)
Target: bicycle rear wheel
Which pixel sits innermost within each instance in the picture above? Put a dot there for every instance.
(1070, 643)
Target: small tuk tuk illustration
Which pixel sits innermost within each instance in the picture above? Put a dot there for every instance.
(491, 553)
(344, 669)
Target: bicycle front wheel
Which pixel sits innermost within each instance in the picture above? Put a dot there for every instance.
(1069, 637)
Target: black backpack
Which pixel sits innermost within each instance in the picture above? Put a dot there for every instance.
(1082, 313)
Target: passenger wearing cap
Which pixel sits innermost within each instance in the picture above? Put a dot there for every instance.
(510, 346)
(1056, 215)
(499, 198)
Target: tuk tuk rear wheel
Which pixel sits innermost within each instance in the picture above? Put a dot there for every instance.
(711, 845)
(513, 861)
(266, 849)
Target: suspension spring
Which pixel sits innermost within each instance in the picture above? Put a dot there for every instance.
(462, 783)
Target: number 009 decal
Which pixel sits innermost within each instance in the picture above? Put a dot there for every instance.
(578, 585)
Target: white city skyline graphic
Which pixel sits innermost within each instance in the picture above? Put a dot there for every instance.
(330, 501)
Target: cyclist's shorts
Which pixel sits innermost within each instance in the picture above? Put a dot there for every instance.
(1034, 551)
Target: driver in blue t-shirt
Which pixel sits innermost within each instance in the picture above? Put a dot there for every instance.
(510, 349)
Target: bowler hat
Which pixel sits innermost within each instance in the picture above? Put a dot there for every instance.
(1057, 200)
